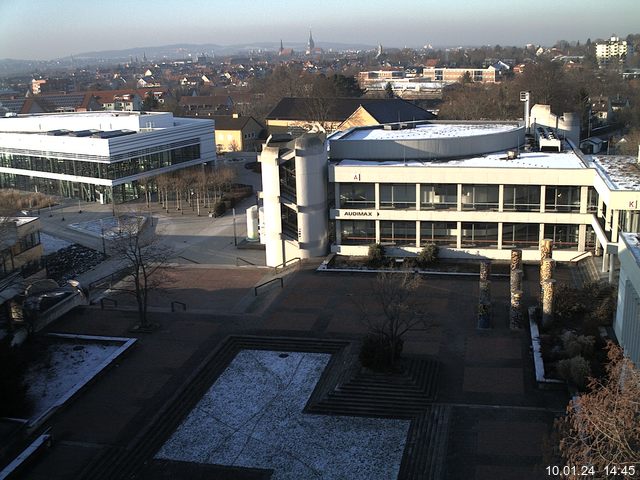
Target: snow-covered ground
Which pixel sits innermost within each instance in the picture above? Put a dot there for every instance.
(52, 244)
(252, 417)
(112, 227)
(70, 364)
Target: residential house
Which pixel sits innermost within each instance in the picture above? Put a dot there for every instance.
(235, 133)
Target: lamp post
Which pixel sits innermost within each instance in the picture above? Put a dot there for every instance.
(235, 238)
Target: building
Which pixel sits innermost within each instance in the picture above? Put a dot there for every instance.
(99, 156)
(121, 100)
(473, 188)
(627, 322)
(612, 52)
(296, 114)
(20, 246)
(237, 134)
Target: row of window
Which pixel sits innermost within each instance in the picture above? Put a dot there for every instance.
(474, 197)
(109, 171)
(478, 235)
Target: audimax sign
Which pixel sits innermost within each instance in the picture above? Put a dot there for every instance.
(359, 213)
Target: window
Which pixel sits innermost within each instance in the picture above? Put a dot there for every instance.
(520, 235)
(480, 197)
(565, 237)
(522, 198)
(289, 222)
(592, 200)
(288, 179)
(440, 233)
(480, 235)
(562, 199)
(358, 232)
(398, 195)
(357, 195)
(398, 232)
(439, 196)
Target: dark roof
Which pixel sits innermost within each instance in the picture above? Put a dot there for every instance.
(228, 122)
(339, 109)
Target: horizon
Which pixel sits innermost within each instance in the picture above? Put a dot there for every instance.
(73, 28)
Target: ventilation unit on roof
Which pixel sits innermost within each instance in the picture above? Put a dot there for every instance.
(392, 126)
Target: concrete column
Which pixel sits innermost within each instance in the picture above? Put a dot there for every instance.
(377, 231)
(598, 247)
(582, 238)
(376, 190)
(546, 272)
(515, 280)
(515, 311)
(546, 249)
(584, 196)
(543, 197)
(459, 240)
(516, 259)
(548, 289)
(614, 225)
(612, 267)
(600, 205)
(500, 198)
(605, 262)
(485, 271)
(500, 236)
(485, 292)
(459, 206)
(418, 199)
(417, 233)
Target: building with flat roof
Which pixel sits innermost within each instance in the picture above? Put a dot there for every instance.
(627, 322)
(99, 156)
(475, 189)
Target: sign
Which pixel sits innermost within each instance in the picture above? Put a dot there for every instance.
(356, 177)
(359, 213)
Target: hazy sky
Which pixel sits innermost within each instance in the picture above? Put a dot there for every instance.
(46, 29)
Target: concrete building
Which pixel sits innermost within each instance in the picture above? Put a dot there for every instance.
(99, 156)
(472, 188)
(19, 244)
(612, 51)
(627, 321)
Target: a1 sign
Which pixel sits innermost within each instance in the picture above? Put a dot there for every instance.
(356, 177)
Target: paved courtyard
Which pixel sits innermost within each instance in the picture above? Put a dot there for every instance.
(499, 418)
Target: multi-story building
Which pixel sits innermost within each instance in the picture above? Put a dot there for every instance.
(20, 245)
(613, 50)
(472, 188)
(99, 156)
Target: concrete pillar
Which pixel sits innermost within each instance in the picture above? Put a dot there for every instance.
(548, 289)
(546, 248)
(546, 272)
(516, 259)
(612, 267)
(484, 305)
(605, 262)
(485, 292)
(515, 281)
(485, 271)
(515, 312)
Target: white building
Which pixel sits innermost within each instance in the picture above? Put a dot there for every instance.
(99, 156)
(627, 321)
(613, 50)
(470, 187)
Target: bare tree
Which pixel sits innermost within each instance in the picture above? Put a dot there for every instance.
(143, 255)
(602, 426)
(399, 311)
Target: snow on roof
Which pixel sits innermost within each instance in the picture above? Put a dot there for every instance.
(559, 160)
(431, 131)
(620, 172)
(633, 241)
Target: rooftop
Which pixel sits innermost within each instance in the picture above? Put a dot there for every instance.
(559, 160)
(620, 172)
(429, 131)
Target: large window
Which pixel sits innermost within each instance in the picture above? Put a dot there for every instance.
(563, 236)
(523, 198)
(398, 232)
(480, 197)
(480, 235)
(440, 233)
(439, 196)
(402, 195)
(520, 235)
(288, 179)
(358, 232)
(289, 222)
(562, 199)
(357, 195)
(592, 200)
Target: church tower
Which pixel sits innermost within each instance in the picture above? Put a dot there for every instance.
(310, 44)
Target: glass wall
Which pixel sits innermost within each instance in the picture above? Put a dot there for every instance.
(520, 235)
(105, 170)
(480, 197)
(562, 199)
(357, 195)
(289, 219)
(439, 196)
(522, 198)
(479, 235)
(288, 179)
(565, 237)
(358, 232)
(398, 232)
(592, 200)
(398, 195)
(440, 233)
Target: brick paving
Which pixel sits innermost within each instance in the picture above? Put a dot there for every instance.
(499, 416)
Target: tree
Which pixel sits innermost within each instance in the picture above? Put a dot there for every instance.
(602, 426)
(398, 313)
(149, 103)
(388, 91)
(139, 247)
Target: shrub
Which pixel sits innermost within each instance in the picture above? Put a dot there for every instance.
(375, 256)
(428, 255)
(575, 345)
(375, 352)
(575, 370)
(219, 208)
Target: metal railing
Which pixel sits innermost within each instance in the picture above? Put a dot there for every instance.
(286, 263)
(255, 289)
(244, 261)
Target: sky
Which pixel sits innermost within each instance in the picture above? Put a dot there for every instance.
(49, 29)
